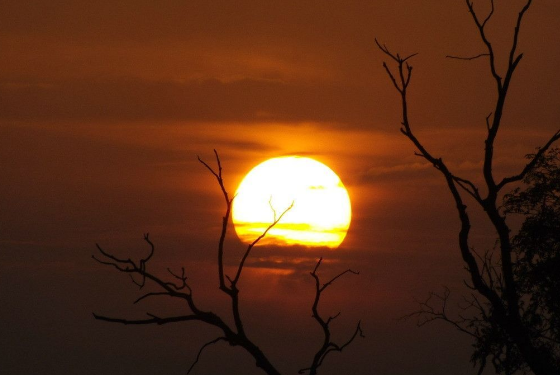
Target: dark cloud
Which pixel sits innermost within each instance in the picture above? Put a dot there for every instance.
(208, 100)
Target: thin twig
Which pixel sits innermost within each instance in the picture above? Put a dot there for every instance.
(328, 346)
(467, 58)
(255, 242)
(202, 349)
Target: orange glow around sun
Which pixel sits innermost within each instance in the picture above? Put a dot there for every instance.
(321, 211)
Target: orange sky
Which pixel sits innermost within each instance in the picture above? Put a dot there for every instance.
(105, 105)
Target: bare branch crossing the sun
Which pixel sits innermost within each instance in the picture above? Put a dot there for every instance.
(321, 210)
(235, 334)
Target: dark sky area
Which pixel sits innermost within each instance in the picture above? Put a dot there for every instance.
(105, 105)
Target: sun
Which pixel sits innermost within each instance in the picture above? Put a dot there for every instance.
(321, 211)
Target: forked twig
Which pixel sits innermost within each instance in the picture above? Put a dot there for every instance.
(328, 345)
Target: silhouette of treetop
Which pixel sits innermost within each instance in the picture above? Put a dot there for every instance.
(234, 335)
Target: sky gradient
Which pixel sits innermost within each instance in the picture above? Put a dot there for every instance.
(105, 105)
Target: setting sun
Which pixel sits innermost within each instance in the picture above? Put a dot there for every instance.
(321, 211)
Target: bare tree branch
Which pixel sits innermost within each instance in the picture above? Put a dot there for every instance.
(152, 320)
(325, 285)
(451, 179)
(148, 295)
(256, 241)
(482, 32)
(531, 165)
(513, 60)
(182, 278)
(469, 57)
(469, 187)
(225, 219)
(428, 313)
(218, 174)
(328, 346)
(202, 349)
(395, 57)
(493, 279)
(233, 335)
(489, 14)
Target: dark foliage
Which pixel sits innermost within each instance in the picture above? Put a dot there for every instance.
(536, 248)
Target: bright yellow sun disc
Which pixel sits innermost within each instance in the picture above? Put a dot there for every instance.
(321, 210)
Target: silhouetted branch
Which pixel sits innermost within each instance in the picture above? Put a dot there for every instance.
(147, 239)
(225, 219)
(488, 121)
(531, 165)
(469, 187)
(235, 335)
(481, 29)
(127, 265)
(218, 174)
(202, 349)
(256, 241)
(468, 58)
(325, 285)
(404, 79)
(429, 313)
(147, 295)
(152, 320)
(395, 57)
(452, 180)
(333, 347)
(182, 278)
(513, 61)
(493, 278)
(328, 346)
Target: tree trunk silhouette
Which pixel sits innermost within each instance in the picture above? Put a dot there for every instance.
(494, 282)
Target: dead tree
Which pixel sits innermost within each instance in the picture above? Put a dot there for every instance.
(492, 280)
(235, 334)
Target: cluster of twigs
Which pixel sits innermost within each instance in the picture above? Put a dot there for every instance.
(233, 335)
